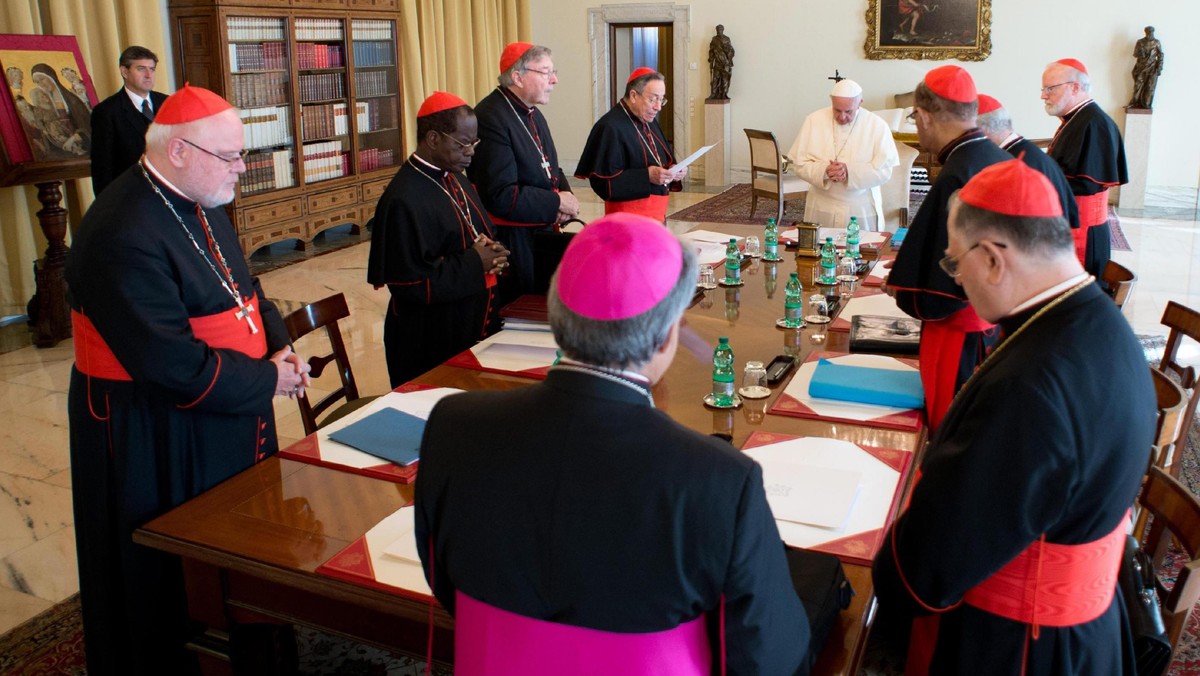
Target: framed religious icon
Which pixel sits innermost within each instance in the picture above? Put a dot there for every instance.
(931, 30)
(45, 112)
(806, 239)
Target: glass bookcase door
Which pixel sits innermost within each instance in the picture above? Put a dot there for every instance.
(260, 76)
(376, 94)
(324, 106)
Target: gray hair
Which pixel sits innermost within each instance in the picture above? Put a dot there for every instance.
(943, 108)
(1047, 237)
(638, 84)
(996, 122)
(532, 54)
(1077, 76)
(621, 343)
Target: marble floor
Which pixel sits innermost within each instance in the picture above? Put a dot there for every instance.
(37, 546)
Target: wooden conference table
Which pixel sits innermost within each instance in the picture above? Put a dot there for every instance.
(250, 546)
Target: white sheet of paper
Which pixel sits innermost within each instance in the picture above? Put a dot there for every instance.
(392, 570)
(709, 253)
(877, 485)
(405, 546)
(418, 404)
(846, 410)
(881, 269)
(525, 325)
(808, 494)
(874, 304)
(709, 236)
(693, 157)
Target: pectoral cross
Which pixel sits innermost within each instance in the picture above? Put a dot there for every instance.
(243, 312)
(837, 76)
(546, 168)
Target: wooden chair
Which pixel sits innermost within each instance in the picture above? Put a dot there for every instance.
(1183, 322)
(896, 193)
(326, 313)
(1176, 513)
(773, 183)
(1119, 280)
(1172, 401)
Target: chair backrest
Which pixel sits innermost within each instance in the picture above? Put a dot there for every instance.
(323, 313)
(1120, 281)
(905, 100)
(492, 641)
(896, 192)
(1184, 322)
(1176, 513)
(1172, 401)
(764, 155)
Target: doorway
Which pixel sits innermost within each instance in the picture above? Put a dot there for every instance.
(633, 46)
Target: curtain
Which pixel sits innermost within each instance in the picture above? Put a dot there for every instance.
(102, 29)
(454, 46)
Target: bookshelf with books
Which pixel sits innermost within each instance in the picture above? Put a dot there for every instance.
(317, 85)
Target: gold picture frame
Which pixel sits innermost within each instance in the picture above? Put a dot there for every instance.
(806, 239)
(929, 30)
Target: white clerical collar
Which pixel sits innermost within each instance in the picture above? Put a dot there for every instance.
(1012, 138)
(170, 186)
(137, 100)
(630, 375)
(1072, 111)
(1049, 293)
(439, 170)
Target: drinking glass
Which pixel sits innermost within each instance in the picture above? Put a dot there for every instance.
(708, 279)
(754, 381)
(847, 276)
(818, 318)
(753, 247)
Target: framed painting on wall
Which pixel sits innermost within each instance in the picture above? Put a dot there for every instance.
(932, 30)
(45, 112)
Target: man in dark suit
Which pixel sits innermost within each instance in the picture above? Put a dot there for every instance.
(576, 501)
(119, 122)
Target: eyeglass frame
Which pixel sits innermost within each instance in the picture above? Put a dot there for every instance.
(464, 146)
(241, 154)
(949, 264)
(552, 72)
(653, 98)
(1047, 90)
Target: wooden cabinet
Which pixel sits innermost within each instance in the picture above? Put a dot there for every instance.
(317, 84)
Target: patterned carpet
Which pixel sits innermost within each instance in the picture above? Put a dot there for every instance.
(733, 206)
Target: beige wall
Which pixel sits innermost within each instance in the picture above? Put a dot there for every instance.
(786, 49)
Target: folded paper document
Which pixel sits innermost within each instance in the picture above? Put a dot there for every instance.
(389, 434)
(865, 385)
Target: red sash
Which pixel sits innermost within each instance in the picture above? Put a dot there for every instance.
(222, 330)
(654, 206)
(940, 354)
(1048, 584)
(1093, 211)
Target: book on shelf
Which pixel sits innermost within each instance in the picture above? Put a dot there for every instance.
(254, 28)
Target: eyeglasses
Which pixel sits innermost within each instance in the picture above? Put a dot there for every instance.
(949, 264)
(654, 99)
(241, 154)
(547, 72)
(1047, 90)
(912, 117)
(465, 146)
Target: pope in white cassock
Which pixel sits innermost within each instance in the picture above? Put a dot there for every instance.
(846, 153)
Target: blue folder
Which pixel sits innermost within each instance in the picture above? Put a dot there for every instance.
(865, 385)
(392, 435)
(898, 237)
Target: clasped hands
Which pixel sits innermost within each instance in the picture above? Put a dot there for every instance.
(837, 171)
(292, 375)
(492, 255)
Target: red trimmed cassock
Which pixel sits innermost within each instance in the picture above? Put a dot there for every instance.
(170, 395)
(953, 338)
(1089, 149)
(421, 249)
(616, 161)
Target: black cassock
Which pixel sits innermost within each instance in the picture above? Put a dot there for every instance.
(520, 195)
(539, 504)
(926, 292)
(1089, 149)
(1030, 154)
(618, 154)
(188, 417)
(118, 136)
(1051, 436)
(421, 249)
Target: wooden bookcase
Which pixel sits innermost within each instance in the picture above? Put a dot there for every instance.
(318, 85)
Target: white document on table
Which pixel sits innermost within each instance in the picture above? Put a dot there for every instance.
(810, 494)
(517, 350)
(692, 158)
(404, 548)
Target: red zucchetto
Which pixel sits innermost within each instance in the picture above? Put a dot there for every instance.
(988, 104)
(1012, 188)
(439, 101)
(952, 83)
(1074, 63)
(620, 266)
(189, 104)
(511, 53)
(638, 73)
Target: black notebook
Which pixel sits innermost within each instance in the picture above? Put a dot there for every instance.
(889, 335)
